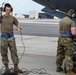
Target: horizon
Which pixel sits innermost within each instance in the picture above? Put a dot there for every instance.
(23, 7)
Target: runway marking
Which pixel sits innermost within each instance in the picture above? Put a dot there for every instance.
(41, 24)
(35, 55)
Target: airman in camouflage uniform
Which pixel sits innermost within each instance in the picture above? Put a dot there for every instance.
(65, 49)
(7, 38)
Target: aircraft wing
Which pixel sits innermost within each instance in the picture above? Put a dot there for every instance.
(54, 12)
(51, 6)
(62, 5)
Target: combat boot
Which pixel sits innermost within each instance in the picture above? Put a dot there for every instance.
(70, 73)
(16, 69)
(6, 68)
(59, 69)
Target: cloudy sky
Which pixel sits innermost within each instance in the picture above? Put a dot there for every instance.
(23, 6)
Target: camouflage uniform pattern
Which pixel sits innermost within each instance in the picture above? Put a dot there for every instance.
(5, 43)
(7, 23)
(65, 46)
(65, 50)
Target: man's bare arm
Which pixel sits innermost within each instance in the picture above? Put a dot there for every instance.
(73, 31)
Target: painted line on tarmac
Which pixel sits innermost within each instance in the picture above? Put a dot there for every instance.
(35, 55)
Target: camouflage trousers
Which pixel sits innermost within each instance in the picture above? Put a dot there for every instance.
(5, 44)
(65, 51)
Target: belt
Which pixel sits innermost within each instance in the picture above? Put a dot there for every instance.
(7, 35)
(65, 36)
(66, 33)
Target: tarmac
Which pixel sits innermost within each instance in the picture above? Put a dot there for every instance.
(39, 53)
(39, 45)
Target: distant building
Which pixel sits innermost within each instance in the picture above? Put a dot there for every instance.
(39, 14)
(19, 16)
(26, 16)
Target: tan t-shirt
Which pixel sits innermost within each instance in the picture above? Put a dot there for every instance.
(7, 24)
(65, 24)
